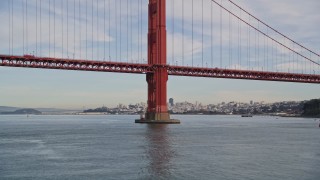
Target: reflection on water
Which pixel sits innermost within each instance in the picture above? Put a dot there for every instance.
(159, 150)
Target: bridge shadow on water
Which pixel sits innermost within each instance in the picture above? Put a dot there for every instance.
(159, 151)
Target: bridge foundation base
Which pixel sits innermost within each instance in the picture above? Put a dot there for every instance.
(146, 121)
(157, 118)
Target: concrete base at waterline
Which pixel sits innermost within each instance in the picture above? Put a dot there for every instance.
(145, 121)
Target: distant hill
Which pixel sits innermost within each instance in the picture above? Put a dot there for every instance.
(8, 108)
(24, 111)
(312, 108)
(43, 110)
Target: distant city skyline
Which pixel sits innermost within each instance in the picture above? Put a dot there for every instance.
(74, 90)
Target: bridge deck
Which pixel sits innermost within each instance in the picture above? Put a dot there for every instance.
(120, 67)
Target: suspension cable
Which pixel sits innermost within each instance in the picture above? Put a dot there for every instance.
(141, 20)
(80, 29)
(27, 42)
(50, 28)
(40, 28)
(36, 27)
(131, 35)
(62, 39)
(182, 1)
(23, 24)
(12, 29)
(74, 28)
(127, 31)
(273, 39)
(221, 37)
(211, 39)
(92, 30)
(116, 17)
(104, 29)
(192, 32)
(68, 29)
(172, 9)
(54, 28)
(9, 6)
(202, 34)
(120, 42)
(109, 30)
(274, 29)
(86, 30)
(138, 29)
(97, 4)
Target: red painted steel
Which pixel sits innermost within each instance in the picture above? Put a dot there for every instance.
(157, 54)
(103, 66)
(28, 61)
(243, 74)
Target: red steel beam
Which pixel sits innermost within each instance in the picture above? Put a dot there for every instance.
(103, 66)
(73, 64)
(243, 74)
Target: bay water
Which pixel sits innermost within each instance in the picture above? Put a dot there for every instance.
(201, 147)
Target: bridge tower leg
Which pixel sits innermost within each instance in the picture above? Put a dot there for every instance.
(157, 112)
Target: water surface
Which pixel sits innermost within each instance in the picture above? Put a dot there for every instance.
(202, 147)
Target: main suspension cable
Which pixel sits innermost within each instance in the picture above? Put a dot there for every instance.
(273, 39)
(272, 28)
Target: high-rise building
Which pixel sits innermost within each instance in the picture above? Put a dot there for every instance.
(171, 102)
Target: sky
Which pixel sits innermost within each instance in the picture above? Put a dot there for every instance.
(126, 41)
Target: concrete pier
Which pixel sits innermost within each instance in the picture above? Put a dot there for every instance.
(145, 121)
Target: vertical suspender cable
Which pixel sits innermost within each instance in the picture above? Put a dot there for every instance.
(104, 29)
(240, 42)
(192, 33)
(12, 29)
(249, 44)
(40, 29)
(67, 17)
(127, 30)
(139, 30)
(74, 28)
(86, 29)
(120, 2)
(140, 44)
(131, 35)
(36, 27)
(23, 26)
(50, 28)
(258, 46)
(62, 38)
(92, 29)
(239, 48)
(221, 36)
(109, 30)
(202, 34)
(264, 53)
(172, 31)
(230, 39)
(27, 42)
(116, 18)
(97, 4)
(182, 1)
(248, 47)
(211, 39)
(9, 7)
(80, 29)
(141, 58)
(54, 28)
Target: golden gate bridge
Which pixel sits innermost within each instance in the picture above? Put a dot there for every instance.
(222, 40)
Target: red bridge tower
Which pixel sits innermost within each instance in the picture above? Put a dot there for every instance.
(157, 112)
